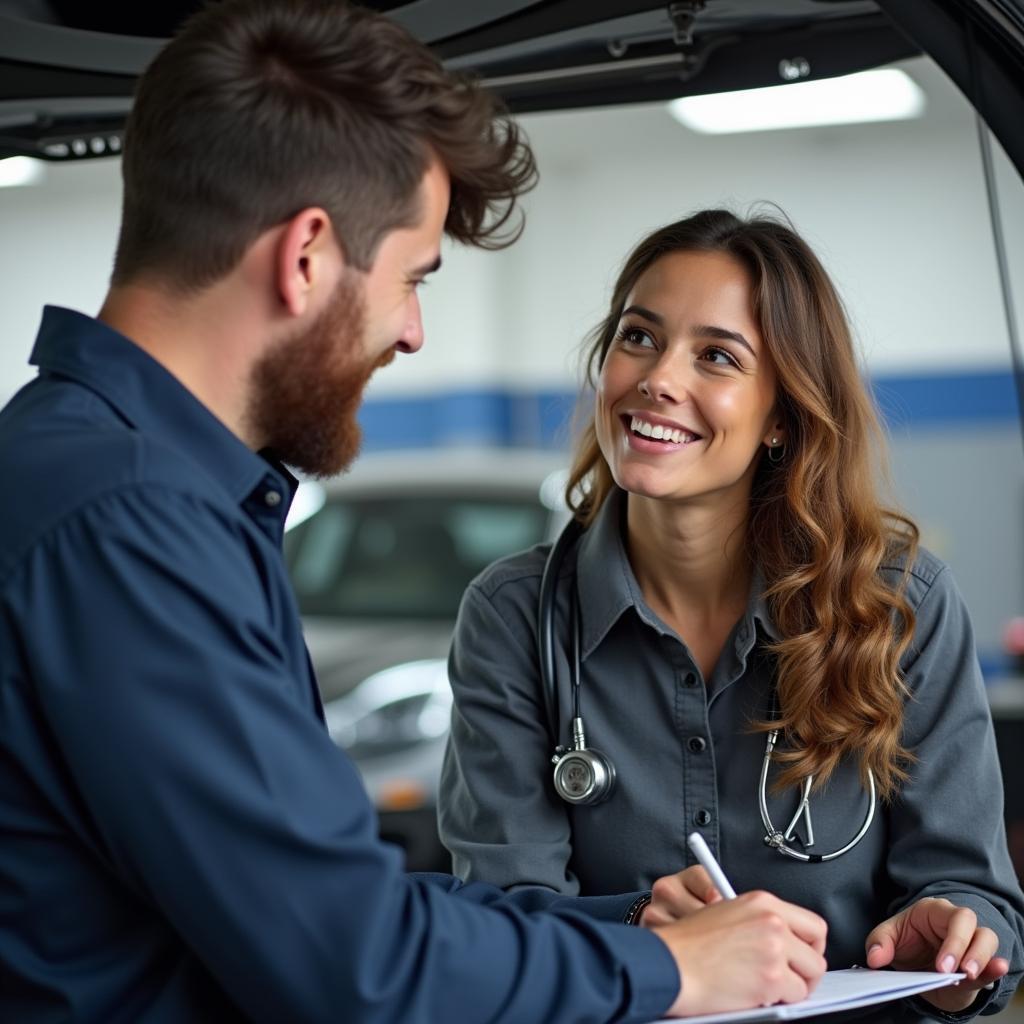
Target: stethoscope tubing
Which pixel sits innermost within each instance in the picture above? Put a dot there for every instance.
(546, 619)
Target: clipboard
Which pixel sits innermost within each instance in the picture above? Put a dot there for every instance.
(839, 990)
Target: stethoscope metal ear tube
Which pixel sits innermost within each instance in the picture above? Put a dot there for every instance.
(779, 840)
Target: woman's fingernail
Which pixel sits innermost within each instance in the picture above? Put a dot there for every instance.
(948, 963)
(971, 968)
(874, 947)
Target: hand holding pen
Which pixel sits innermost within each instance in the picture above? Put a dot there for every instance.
(743, 951)
(675, 896)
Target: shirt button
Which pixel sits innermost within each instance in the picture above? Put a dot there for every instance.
(697, 744)
(702, 817)
(272, 499)
(690, 679)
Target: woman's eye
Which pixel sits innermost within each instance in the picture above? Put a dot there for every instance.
(718, 356)
(636, 336)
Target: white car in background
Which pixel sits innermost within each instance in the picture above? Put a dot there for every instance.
(379, 560)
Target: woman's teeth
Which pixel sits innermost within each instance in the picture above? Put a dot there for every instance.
(656, 432)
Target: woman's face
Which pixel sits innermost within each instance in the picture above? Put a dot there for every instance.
(687, 394)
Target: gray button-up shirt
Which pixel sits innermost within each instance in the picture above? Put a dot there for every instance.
(686, 759)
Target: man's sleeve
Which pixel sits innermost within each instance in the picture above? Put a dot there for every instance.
(218, 798)
(948, 836)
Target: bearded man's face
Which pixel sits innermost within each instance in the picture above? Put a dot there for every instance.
(306, 390)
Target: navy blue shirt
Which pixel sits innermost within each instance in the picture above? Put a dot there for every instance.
(180, 840)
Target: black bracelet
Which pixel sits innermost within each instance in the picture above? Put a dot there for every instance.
(636, 909)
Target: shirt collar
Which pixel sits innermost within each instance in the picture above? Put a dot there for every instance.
(758, 612)
(607, 585)
(148, 397)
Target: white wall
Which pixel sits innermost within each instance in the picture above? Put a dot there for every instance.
(56, 246)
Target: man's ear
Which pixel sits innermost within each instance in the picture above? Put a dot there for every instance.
(308, 260)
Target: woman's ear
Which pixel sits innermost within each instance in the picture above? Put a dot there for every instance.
(308, 260)
(775, 437)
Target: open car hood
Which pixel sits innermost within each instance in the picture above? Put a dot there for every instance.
(67, 70)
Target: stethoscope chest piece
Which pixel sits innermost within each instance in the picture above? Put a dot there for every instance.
(583, 776)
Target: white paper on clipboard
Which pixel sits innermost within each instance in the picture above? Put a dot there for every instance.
(840, 990)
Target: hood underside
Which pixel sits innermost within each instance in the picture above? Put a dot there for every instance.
(67, 70)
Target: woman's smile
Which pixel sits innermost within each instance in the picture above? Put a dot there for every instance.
(655, 434)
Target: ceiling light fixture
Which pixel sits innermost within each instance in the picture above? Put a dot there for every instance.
(885, 94)
(20, 170)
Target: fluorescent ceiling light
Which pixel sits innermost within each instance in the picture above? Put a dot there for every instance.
(886, 94)
(20, 170)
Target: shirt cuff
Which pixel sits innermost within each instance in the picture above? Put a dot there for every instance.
(654, 980)
(981, 1000)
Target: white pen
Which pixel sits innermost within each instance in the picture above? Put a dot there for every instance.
(707, 861)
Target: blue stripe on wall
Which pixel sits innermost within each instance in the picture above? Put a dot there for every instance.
(939, 399)
(538, 419)
(995, 664)
(505, 418)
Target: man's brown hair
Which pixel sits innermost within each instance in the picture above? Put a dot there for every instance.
(258, 109)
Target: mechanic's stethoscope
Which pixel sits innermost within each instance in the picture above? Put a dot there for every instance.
(584, 775)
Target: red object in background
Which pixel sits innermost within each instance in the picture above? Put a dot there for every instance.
(1013, 643)
(1013, 635)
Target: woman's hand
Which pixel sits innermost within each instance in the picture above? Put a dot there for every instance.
(936, 935)
(673, 897)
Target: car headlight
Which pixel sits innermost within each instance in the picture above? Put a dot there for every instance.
(392, 710)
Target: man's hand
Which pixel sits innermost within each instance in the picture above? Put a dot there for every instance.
(754, 950)
(675, 896)
(936, 935)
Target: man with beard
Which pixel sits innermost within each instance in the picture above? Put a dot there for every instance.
(181, 839)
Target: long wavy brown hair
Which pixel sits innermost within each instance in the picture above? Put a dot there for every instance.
(816, 527)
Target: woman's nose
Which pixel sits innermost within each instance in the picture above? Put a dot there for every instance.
(666, 380)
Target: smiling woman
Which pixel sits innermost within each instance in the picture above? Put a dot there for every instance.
(748, 622)
(751, 343)
(680, 363)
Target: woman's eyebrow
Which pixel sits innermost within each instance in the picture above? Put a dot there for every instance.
(724, 334)
(701, 330)
(645, 313)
